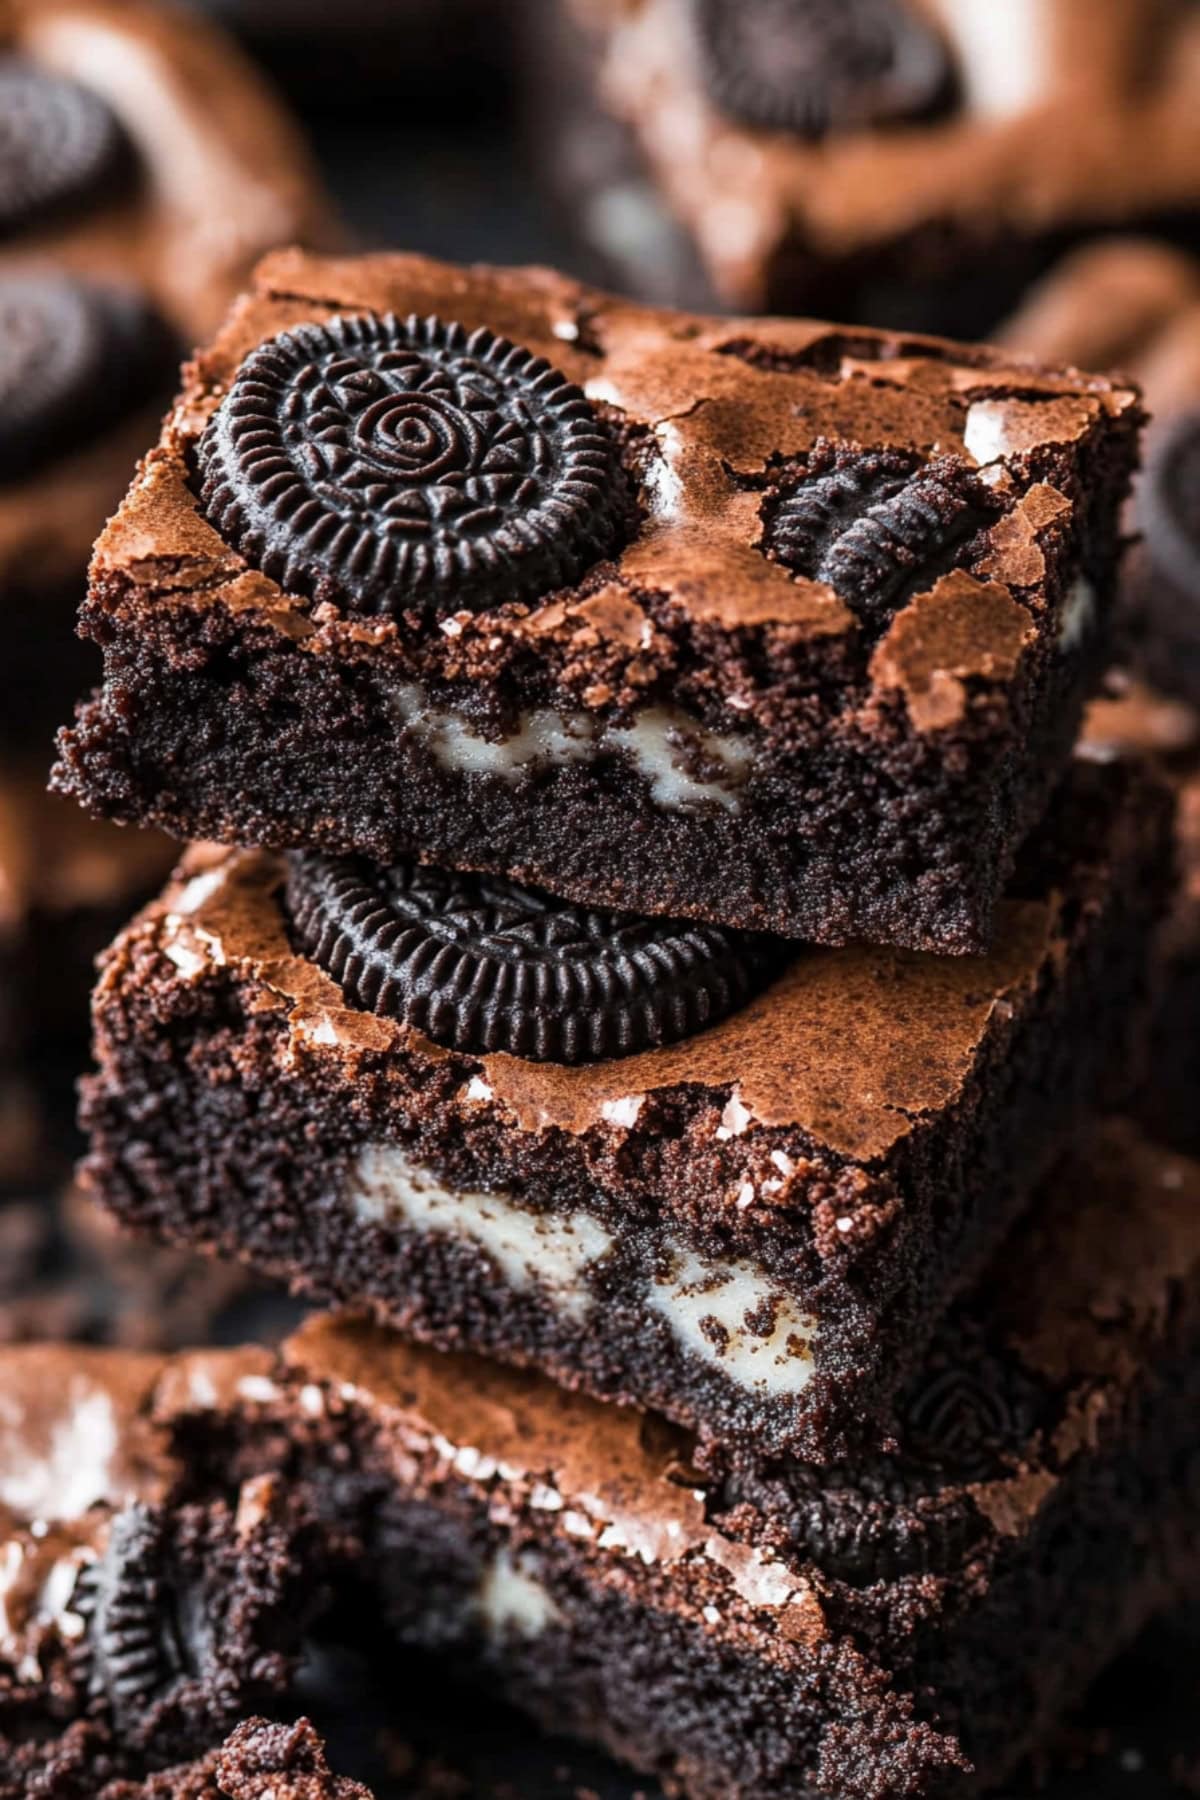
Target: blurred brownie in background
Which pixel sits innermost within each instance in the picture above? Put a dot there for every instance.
(1134, 304)
(905, 162)
(1132, 718)
(143, 167)
(66, 884)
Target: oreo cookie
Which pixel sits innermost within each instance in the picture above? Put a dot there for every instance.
(389, 465)
(970, 1418)
(1170, 503)
(481, 965)
(135, 1645)
(74, 357)
(815, 66)
(59, 143)
(876, 525)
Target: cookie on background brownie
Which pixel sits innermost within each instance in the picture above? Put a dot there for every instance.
(909, 162)
(144, 166)
(766, 623)
(733, 1179)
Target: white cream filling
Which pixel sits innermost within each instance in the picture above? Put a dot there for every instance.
(695, 1294)
(1078, 614)
(663, 744)
(512, 1600)
(555, 1252)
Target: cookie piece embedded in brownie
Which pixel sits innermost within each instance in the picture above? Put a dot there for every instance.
(907, 164)
(147, 1606)
(766, 623)
(752, 1227)
(869, 1630)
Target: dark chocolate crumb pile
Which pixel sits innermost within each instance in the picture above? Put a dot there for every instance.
(74, 357)
(815, 66)
(59, 143)
(1170, 503)
(875, 524)
(482, 965)
(388, 464)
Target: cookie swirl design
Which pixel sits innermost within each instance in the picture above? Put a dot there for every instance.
(389, 464)
(969, 1419)
(59, 143)
(481, 965)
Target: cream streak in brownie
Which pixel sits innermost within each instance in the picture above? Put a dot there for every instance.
(767, 623)
(753, 1228)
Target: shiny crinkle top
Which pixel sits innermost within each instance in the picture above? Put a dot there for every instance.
(489, 421)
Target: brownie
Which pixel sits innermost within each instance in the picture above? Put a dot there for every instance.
(259, 1761)
(764, 623)
(1132, 718)
(908, 163)
(142, 1615)
(145, 166)
(67, 883)
(753, 1229)
(1135, 303)
(905, 1625)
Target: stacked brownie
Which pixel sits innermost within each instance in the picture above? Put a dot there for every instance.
(662, 948)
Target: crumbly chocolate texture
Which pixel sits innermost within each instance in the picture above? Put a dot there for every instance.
(147, 1603)
(259, 1761)
(1047, 124)
(1131, 718)
(695, 728)
(1134, 304)
(753, 1231)
(715, 1631)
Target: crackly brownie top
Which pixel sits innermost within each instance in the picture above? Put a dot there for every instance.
(142, 169)
(484, 471)
(1027, 1378)
(855, 1046)
(852, 123)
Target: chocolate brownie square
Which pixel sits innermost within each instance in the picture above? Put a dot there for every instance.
(910, 162)
(1135, 303)
(148, 1604)
(753, 1228)
(906, 1625)
(765, 623)
(144, 168)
